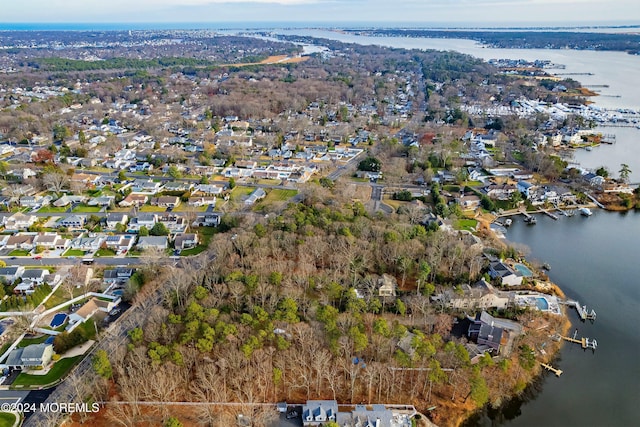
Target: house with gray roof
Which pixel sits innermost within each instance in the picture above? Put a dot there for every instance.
(72, 222)
(318, 412)
(152, 242)
(31, 356)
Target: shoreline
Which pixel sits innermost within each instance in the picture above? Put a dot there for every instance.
(537, 371)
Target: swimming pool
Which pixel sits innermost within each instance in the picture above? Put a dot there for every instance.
(58, 320)
(523, 269)
(542, 304)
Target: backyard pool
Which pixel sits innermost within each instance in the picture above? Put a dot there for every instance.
(58, 320)
(523, 269)
(542, 304)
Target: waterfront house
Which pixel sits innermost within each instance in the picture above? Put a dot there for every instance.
(493, 334)
(526, 188)
(482, 295)
(505, 275)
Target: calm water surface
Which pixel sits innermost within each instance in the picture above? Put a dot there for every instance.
(594, 260)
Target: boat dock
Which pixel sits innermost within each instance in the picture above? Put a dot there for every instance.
(556, 371)
(551, 215)
(584, 342)
(581, 309)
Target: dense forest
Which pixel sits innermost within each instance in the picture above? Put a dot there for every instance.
(288, 308)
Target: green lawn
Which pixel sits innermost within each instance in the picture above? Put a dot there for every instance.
(193, 251)
(73, 252)
(19, 252)
(89, 328)
(59, 370)
(279, 195)
(53, 209)
(60, 296)
(183, 207)
(28, 341)
(451, 188)
(239, 192)
(149, 208)
(466, 224)
(87, 209)
(105, 252)
(7, 419)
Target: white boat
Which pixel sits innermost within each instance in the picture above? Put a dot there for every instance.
(589, 148)
(507, 222)
(585, 212)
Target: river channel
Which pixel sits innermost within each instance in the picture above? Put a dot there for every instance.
(594, 260)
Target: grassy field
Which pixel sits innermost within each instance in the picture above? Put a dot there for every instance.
(105, 252)
(87, 209)
(183, 207)
(52, 209)
(73, 252)
(59, 370)
(466, 224)
(60, 296)
(240, 192)
(149, 208)
(7, 419)
(279, 195)
(19, 252)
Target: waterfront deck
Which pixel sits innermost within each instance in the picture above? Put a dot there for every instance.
(585, 343)
(556, 371)
(583, 313)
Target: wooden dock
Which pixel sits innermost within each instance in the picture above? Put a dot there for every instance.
(551, 215)
(581, 309)
(584, 342)
(556, 371)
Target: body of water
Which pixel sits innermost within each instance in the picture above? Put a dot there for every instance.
(594, 260)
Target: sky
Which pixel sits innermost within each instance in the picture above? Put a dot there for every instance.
(469, 12)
